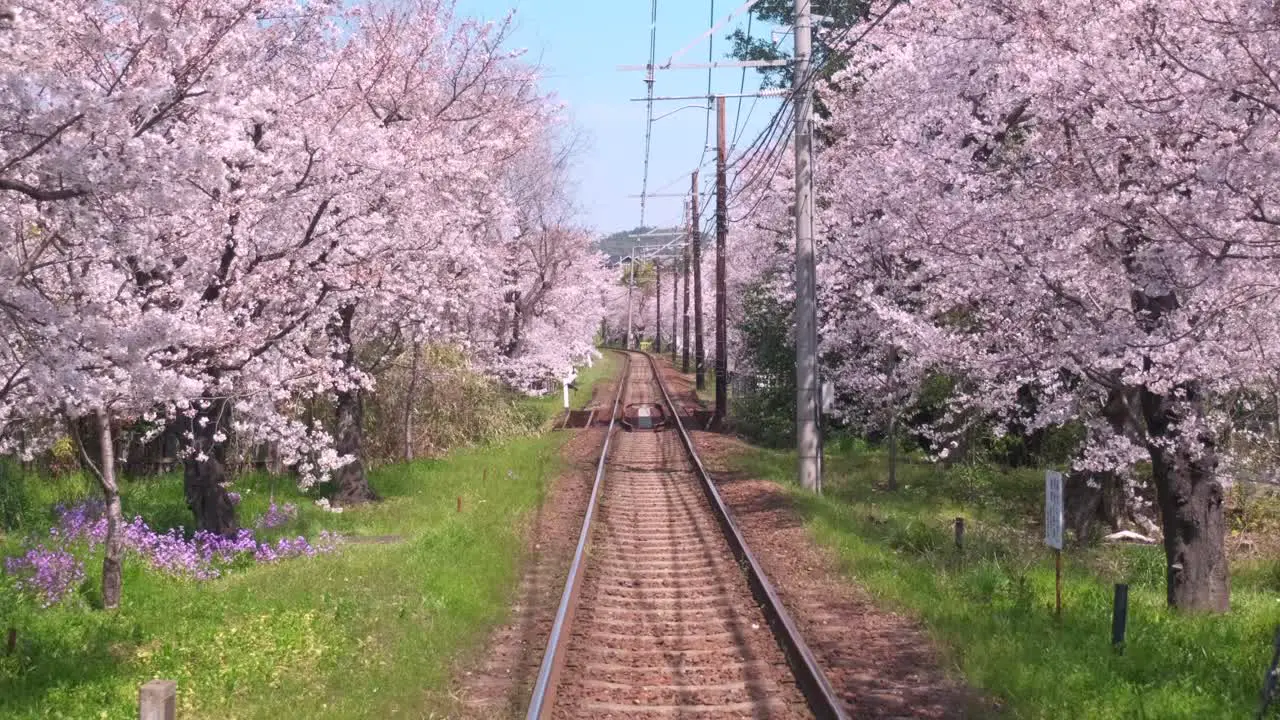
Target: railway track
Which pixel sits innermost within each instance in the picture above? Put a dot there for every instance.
(665, 612)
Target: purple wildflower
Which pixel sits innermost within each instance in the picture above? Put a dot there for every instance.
(85, 521)
(328, 541)
(234, 497)
(284, 548)
(277, 515)
(51, 574)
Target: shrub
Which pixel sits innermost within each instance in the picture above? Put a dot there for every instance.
(451, 406)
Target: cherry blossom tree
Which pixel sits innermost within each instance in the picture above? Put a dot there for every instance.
(552, 280)
(452, 109)
(1074, 197)
(204, 201)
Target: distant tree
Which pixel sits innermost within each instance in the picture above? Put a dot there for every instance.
(621, 244)
(780, 13)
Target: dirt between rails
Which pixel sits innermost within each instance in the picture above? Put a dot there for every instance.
(879, 662)
(498, 681)
(667, 627)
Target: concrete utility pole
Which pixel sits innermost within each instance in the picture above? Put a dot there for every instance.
(722, 235)
(808, 432)
(657, 331)
(684, 335)
(695, 238)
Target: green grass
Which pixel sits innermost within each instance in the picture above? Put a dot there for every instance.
(552, 405)
(708, 393)
(372, 630)
(991, 609)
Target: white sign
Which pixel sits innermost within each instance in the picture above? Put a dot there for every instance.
(1053, 509)
(565, 385)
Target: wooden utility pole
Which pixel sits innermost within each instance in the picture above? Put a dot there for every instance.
(684, 333)
(722, 234)
(657, 330)
(675, 303)
(695, 238)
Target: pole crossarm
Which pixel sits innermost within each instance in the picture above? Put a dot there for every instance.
(767, 92)
(708, 66)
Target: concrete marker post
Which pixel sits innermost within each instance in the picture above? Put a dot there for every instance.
(158, 700)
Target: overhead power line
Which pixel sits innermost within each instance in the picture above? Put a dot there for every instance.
(710, 33)
(773, 138)
(711, 48)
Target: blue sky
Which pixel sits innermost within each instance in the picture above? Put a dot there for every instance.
(580, 44)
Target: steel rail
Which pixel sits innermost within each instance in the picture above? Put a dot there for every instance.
(810, 678)
(544, 689)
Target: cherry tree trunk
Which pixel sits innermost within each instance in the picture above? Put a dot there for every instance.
(1100, 496)
(204, 475)
(893, 451)
(112, 559)
(410, 398)
(351, 480)
(1191, 501)
(1093, 498)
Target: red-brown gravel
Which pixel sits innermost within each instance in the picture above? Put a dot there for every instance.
(881, 663)
(498, 682)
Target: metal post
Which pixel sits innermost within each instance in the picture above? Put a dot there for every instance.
(1057, 573)
(699, 353)
(1269, 682)
(807, 430)
(648, 127)
(1119, 616)
(722, 234)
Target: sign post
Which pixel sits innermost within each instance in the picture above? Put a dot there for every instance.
(1053, 528)
(1269, 682)
(1119, 616)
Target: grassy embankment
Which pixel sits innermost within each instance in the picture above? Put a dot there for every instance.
(991, 608)
(368, 631)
